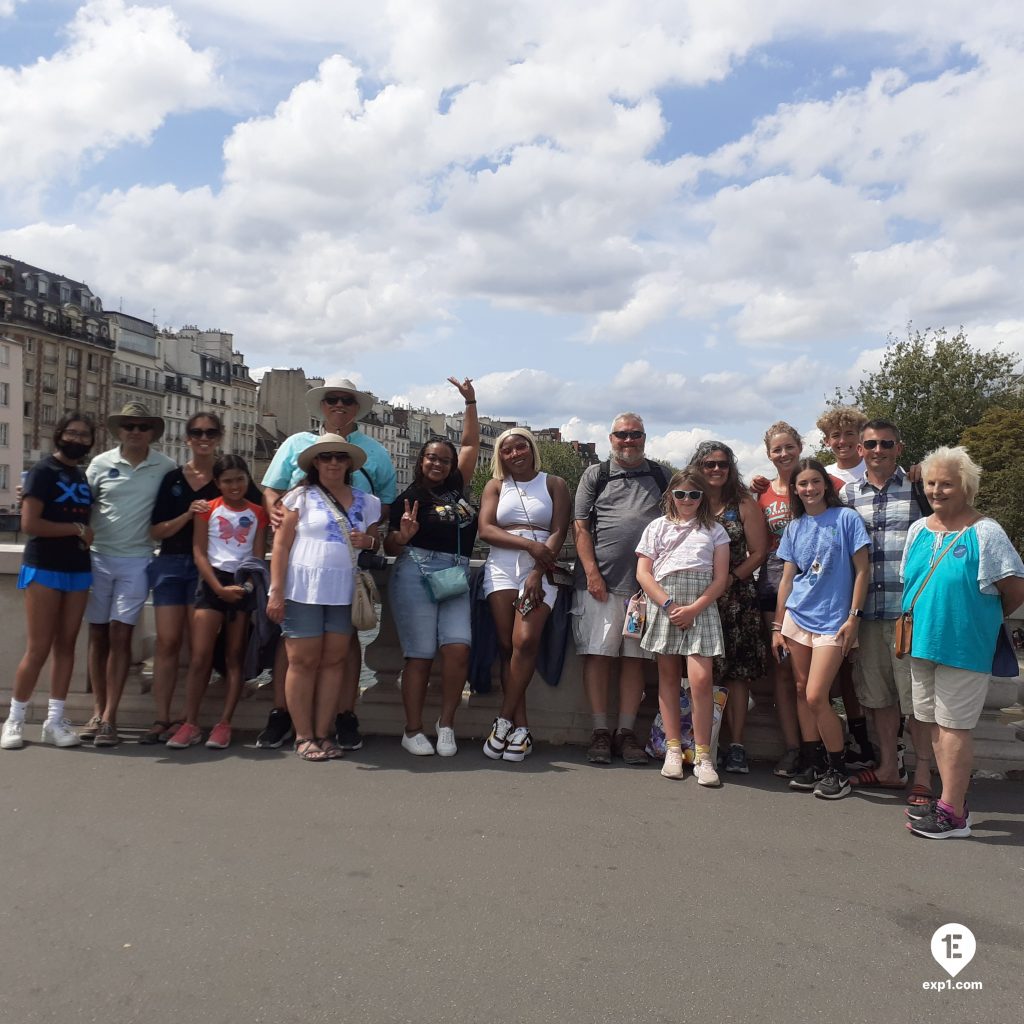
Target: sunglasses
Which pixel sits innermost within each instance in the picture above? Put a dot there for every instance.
(140, 428)
(873, 444)
(334, 457)
(345, 400)
(687, 495)
(715, 464)
(207, 432)
(628, 435)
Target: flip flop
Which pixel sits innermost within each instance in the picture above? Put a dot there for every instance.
(869, 780)
(920, 796)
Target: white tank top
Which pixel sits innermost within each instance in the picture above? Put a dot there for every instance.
(525, 504)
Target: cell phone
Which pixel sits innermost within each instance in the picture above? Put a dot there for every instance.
(524, 606)
(781, 654)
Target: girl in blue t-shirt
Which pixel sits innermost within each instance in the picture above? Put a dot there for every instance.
(55, 575)
(825, 549)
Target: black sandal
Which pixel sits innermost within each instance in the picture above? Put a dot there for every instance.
(154, 734)
(309, 749)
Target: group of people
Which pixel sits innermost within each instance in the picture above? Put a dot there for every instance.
(803, 578)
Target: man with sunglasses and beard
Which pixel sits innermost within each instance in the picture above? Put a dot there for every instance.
(615, 501)
(124, 483)
(339, 405)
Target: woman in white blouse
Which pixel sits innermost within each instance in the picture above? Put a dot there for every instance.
(326, 523)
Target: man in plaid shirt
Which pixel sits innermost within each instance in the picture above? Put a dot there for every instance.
(888, 504)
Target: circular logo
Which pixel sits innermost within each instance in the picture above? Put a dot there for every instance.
(176, 490)
(114, 472)
(245, 521)
(960, 551)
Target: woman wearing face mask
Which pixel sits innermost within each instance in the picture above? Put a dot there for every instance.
(55, 575)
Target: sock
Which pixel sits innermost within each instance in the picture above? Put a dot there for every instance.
(54, 710)
(601, 721)
(836, 761)
(950, 812)
(808, 755)
(859, 731)
(903, 723)
(703, 752)
(627, 722)
(18, 709)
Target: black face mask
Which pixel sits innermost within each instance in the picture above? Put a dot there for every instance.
(73, 450)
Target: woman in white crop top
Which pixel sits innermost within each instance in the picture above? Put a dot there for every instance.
(524, 517)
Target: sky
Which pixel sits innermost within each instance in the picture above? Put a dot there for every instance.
(713, 214)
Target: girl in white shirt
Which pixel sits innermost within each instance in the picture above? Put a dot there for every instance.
(683, 568)
(326, 523)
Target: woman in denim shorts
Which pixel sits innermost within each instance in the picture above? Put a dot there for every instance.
(433, 528)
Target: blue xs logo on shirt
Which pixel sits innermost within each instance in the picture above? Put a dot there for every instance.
(77, 494)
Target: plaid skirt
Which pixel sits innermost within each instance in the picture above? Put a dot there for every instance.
(704, 637)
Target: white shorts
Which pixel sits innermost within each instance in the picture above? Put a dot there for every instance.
(951, 697)
(507, 569)
(597, 627)
(792, 631)
(120, 587)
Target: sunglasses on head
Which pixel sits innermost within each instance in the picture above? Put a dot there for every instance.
(333, 457)
(688, 495)
(207, 432)
(628, 435)
(346, 400)
(140, 428)
(715, 464)
(871, 445)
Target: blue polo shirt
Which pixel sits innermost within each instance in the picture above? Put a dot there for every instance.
(377, 475)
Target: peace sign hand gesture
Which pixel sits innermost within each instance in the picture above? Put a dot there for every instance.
(465, 388)
(409, 524)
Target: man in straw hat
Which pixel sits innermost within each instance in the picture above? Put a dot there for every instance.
(339, 405)
(124, 484)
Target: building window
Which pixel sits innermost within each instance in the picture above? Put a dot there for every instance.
(5, 477)
(30, 343)
(49, 352)
(50, 383)
(30, 377)
(92, 361)
(28, 410)
(65, 292)
(49, 414)
(4, 442)
(71, 387)
(5, 355)
(5, 394)
(92, 389)
(72, 357)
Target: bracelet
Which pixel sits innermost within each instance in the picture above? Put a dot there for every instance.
(668, 601)
(776, 627)
(471, 401)
(81, 529)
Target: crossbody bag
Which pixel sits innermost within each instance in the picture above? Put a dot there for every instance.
(444, 584)
(561, 573)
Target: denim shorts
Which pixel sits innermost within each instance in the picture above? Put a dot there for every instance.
(423, 626)
(173, 579)
(302, 621)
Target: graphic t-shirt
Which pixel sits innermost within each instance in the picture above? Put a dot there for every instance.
(174, 498)
(66, 498)
(822, 548)
(775, 508)
(232, 533)
(447, 521)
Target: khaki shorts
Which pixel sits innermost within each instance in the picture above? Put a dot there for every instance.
(597, 627)
(951, 697)
(791, 631)
(881, 679)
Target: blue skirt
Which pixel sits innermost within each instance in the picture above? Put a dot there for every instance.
(65, 581)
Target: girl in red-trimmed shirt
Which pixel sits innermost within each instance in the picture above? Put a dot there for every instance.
(229, 533)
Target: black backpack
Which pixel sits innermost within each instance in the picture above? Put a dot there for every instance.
(604, 474)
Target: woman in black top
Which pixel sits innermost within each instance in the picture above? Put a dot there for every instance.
(56, 573)
(433, 527)
(173, 577)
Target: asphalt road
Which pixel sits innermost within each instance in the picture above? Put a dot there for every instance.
(247, 886)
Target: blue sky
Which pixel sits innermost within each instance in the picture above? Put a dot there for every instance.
(712, 213)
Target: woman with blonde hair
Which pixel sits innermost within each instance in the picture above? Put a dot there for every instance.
(524, 517)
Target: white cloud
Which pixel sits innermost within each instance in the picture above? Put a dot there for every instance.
(122, 72)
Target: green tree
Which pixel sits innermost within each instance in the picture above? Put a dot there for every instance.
(996, 443)
(932, 387)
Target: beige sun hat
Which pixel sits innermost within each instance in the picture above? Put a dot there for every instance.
(314, 396)
(134, 411)
(331, 443)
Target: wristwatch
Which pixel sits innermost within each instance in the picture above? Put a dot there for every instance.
(668, 601)
(856, 613)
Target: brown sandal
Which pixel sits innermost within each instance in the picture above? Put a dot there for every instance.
(330, 749)
(309, 749)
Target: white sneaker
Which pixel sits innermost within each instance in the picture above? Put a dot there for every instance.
(494, 745)
(418, 744)
(520, 743)
(673, 766)
(705, 774)
(446, 745)
(60, 734)
(11, 739)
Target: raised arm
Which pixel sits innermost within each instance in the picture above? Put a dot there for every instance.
(469, 446)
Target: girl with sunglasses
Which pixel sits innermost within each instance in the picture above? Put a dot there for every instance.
(326, 523)
(184, 493)
(683, 568)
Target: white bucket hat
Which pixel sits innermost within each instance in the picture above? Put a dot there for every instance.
(314, 396)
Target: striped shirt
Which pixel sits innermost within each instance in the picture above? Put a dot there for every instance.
(888, 513)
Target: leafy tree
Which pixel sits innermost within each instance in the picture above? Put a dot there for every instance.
(932, 387)
(996, 443)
